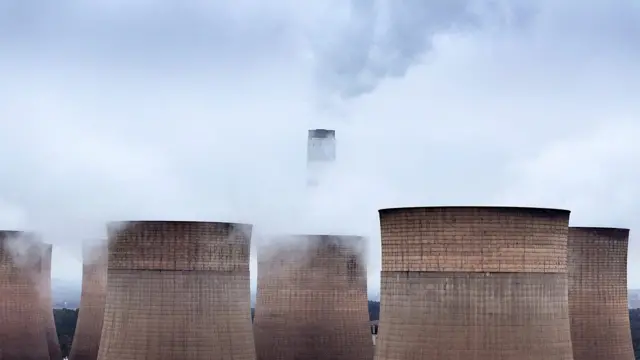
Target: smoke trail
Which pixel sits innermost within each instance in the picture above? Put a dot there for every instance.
(25, 250)
(28, 254)
(385, 38)
(95, 151)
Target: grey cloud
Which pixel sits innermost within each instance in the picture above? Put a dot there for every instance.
(534, 108)
(385, 38)
(169, 34)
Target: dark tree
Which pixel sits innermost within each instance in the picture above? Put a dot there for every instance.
(65, 326)
(374, 310)
(634, 319)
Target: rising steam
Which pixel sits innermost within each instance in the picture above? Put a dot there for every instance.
(30, 256)
(25, 251)
(222, 137)
(385, 38)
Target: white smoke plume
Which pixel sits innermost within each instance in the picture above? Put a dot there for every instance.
(95, 251)
(197, 111)
(384, 38)
(26, 252)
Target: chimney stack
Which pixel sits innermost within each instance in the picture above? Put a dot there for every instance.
(321, 153)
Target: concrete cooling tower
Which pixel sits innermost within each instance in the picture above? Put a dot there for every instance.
(311, 302)
(22, 322)
(598, 294)
(482, 283)
(55, 353)
(177, 290)
(86, 341)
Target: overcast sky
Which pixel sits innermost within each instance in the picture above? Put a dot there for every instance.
(199, 110)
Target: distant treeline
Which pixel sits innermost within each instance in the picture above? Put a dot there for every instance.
(634, 319)
(66, 325)
(374, 310)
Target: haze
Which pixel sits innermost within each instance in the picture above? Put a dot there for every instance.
(120, 110)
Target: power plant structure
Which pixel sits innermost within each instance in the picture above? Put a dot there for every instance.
(55, 353)
(600, 326)
(177, 290)
(480, 283)
(321, 153)
(86, 340)
(22, 322)
(311, 302)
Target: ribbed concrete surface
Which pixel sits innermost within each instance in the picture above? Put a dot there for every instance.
(22, 322)
(598, 294)
(177, 291)
(482, 283)
(55, 353)
(86, 340)
(311, 302)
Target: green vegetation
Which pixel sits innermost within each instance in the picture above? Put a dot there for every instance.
(634, 319)
(374, 310)
(65, 326)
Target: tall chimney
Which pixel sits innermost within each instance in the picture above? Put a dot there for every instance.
(321, 153)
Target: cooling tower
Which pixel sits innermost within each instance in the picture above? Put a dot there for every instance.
(321, 154)
(22, 322)
(177, 290)
(598, 294)
(482, 283)
(311, 302)
(86, 340)
(55, 353)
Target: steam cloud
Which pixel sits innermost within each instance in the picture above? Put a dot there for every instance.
(176, 111)
(24, 250)
(384, 38)
(28, 253)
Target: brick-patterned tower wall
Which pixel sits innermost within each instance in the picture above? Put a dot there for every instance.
(479, 283)
(22, 322)
(55, 353)
(597, 262)
(177, 290)
(311, 302)
(86, 341)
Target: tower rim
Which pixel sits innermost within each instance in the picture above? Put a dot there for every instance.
(22, 234)
(176, 222)
(17, 232)
(617, 232)
(478, 207)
